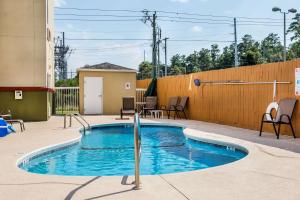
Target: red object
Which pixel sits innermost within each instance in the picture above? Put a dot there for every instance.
(27, 89)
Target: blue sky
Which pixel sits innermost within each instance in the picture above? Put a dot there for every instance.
(131, 53)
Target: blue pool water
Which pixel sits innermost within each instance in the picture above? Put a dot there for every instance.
(109, 151)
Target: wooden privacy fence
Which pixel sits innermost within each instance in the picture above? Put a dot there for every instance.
(240, 102)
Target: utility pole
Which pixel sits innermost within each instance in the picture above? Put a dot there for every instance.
(166, 62)
(152, 19)
(144, 55)
(236, 62)
(158, 52)
(154, 48)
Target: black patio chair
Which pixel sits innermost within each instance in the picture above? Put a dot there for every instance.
(284, 115)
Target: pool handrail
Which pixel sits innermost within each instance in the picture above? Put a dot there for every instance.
(137, 151)
(79, 119)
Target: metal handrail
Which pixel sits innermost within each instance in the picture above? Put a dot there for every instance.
(85, 125)
(137, 151)
(81, 117)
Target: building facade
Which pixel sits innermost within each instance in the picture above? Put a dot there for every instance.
(102, 87)
(27, 58)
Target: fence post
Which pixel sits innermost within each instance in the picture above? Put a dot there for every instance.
(65, 121)
(70, 123)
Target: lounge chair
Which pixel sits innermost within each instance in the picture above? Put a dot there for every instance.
(151, 104)
(127, 106)
(284, 115)
(17, 121)
(180, 108)
(171, 106)
(8, 118)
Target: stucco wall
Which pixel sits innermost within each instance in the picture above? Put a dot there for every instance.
(26, 55)
(113, 89)
(33, 106)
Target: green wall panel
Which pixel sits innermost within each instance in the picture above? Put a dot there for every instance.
(33, 106)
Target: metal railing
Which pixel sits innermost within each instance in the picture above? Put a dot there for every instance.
(137, 151)
(66, 100)
(79, 118)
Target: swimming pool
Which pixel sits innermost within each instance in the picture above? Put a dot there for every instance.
(108, 150)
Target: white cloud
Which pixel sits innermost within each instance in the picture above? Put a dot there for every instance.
(196, 29)
(59, 3)
(180, 1)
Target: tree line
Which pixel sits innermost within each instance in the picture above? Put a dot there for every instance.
(250, 52)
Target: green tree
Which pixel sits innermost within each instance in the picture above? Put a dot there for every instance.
(271, 48)
(72, 82)
(193, 63)
(205, 60)
(215, 56)
(226, 59)
(294, 50)
(295, 27)
(145, 70)
(178, 64)
(249, 52)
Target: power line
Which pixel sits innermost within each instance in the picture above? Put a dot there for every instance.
(187, 40)
(194, 22)
(93, 15)
(109, 39)
(96, 9)
(111, 48)
(99, 20)
(162, 16)
(143, 39)
(166, 12)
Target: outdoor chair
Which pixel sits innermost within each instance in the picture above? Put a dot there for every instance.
(127, 106)
(284, 115)
(180, 108)
(151, 104)
(9, 119)
(171, 106)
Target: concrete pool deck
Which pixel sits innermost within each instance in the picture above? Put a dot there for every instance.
(266, 173)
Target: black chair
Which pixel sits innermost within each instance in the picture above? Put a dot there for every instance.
(284, 115)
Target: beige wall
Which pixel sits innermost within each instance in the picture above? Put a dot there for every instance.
(113, 89)
(26, 55)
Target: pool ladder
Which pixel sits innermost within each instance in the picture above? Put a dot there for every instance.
(137, 151)
(79, 118)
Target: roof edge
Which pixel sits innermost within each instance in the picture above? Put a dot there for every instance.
(106, 70)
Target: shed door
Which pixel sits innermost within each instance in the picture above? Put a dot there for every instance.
(93, 95)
